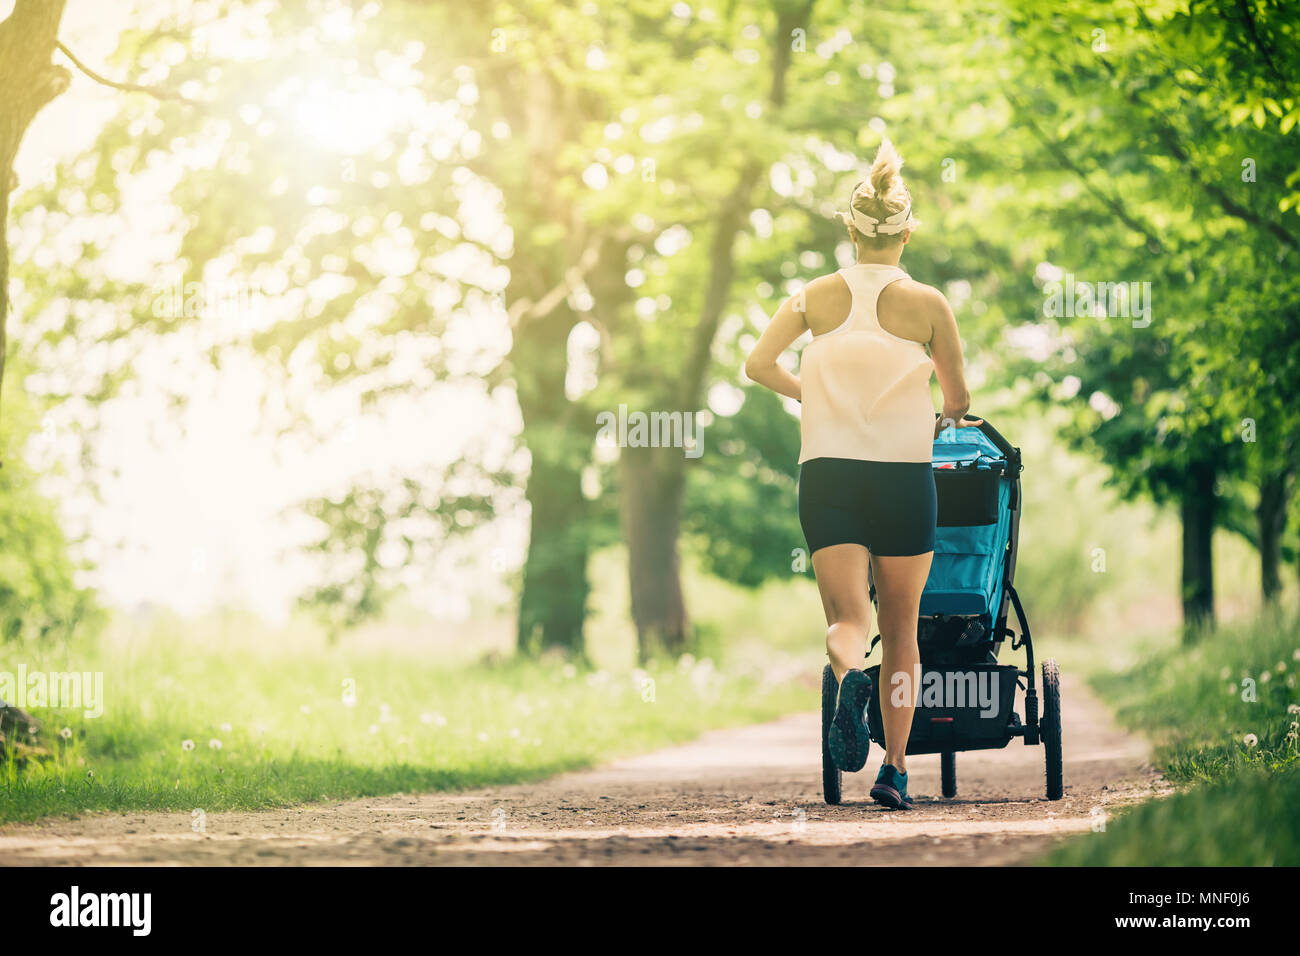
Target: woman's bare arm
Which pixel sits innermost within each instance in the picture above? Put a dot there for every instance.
(787, 325)
(945, 349)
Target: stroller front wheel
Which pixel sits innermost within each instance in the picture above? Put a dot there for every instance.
(1051, 729)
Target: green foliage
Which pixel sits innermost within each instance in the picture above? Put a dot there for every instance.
(740, 504)
(1198, 704)
(40, 599)
(1226, 718)
(471, 194)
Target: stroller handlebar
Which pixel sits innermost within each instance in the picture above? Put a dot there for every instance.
(1011, 452)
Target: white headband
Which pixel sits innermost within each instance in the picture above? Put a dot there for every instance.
(889, 226)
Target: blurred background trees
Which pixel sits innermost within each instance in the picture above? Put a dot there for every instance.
(564, 207)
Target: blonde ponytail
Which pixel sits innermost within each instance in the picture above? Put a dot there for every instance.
(881, 195)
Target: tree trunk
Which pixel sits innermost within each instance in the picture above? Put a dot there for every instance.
(653, 481)
(1270, 518)
(553, 601)
(1199, 509)
(28, 80)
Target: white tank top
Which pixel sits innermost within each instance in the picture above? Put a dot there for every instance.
(866, 392)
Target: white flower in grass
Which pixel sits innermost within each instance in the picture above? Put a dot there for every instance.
(1281, 667)
(1232, 688)
(514, 732)
(374, 728)
(1293, 709)
(1265, 677)
(90, 775)
(65, 733)
(483, 736)
(214, 744)
(1225, 673)
(1251, 740)
(305, 708)
(187, 744)
(225, 728)
(1295, 655)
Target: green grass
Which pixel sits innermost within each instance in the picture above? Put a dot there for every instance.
(269, 724)
(1247, 820)
(1219, 707)
(1225, 718)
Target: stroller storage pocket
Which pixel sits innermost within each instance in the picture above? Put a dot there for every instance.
(967, 496)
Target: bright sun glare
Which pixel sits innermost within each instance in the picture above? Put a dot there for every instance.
(347, 121)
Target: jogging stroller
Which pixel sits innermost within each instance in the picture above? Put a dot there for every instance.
(967, 699)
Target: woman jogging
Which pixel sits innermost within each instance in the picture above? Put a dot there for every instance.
(866, 489)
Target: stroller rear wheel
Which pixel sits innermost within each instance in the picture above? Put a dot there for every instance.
(1051, 728)
(831, 775)
(948, 771)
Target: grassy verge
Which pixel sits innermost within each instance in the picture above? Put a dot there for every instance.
(223, 720)
(1224, 716)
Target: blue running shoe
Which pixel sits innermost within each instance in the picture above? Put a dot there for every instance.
(890, 789)
(847, 739)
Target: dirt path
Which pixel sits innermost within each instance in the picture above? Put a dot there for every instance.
(747, 796)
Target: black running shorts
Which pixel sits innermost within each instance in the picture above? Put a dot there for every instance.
(888, 507)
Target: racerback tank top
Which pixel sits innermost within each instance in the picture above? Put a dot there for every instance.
(866, 392)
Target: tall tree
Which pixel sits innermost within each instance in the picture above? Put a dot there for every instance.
(29, 79)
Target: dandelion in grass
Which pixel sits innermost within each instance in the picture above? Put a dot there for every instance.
(214, 744)
(1225, 673)
(1251, 740)
(225, 728)
(66, 733)
(514, 732)
(187, 744)
(483, 736)
(90, 775)
(1232, 689)
(305, 708)
(374, 728)
(1281, 667)
(1265, 677)
(1295, 655)
(1293, 709)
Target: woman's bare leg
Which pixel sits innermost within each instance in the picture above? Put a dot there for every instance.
(899, 582)
(841, 571)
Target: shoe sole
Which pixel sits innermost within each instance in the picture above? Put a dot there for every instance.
(887, 796)
(848, 740)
